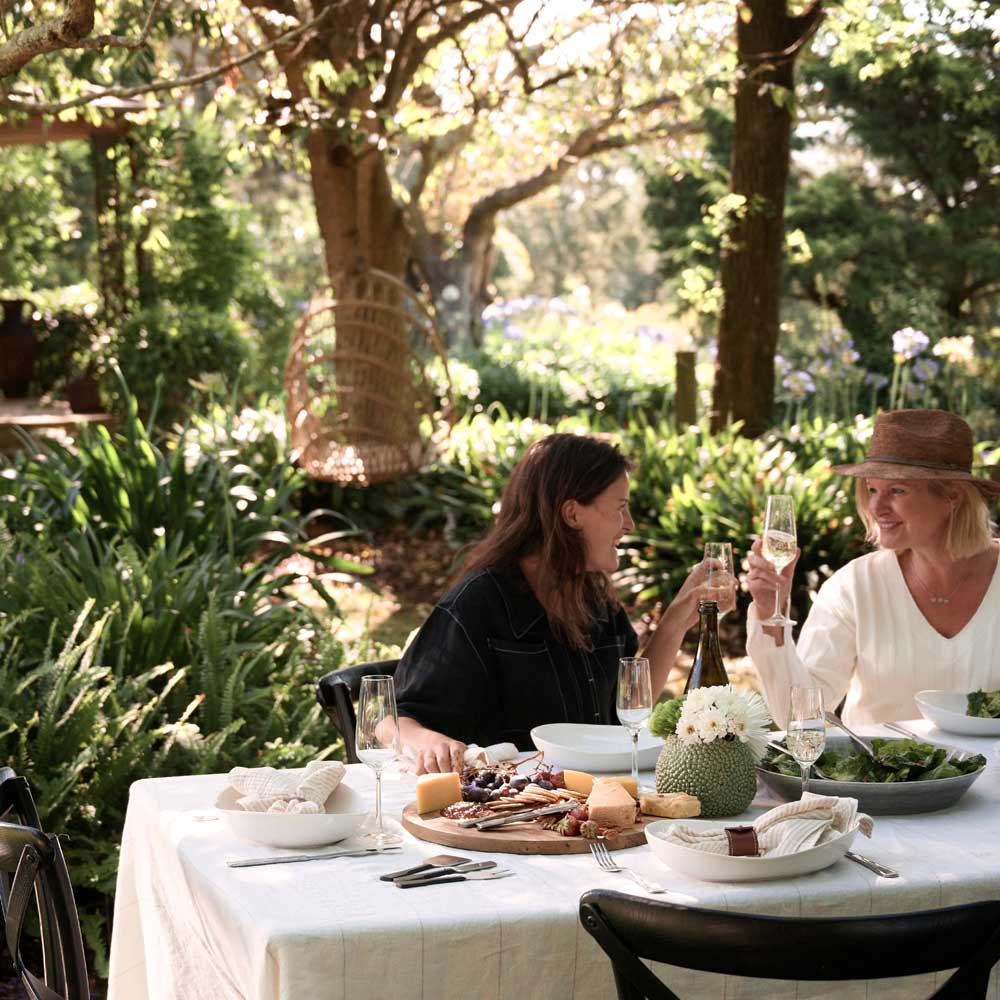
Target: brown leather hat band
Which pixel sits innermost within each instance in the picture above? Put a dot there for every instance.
(918, 463)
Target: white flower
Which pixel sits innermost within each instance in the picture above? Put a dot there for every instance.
(758, 722)
(728, 699)
(908, 343)
(687, 732)
(711, 725)
(700, 698)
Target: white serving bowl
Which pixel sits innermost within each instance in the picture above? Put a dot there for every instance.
(345, 812)
(946, 709)
(594, 748)
(723, 868)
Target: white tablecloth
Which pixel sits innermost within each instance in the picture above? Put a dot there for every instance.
(189, 928)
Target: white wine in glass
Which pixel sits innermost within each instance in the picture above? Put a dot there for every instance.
(377, 744)
(779, 546)
(805, 736)
(634, 702)
(720, 579)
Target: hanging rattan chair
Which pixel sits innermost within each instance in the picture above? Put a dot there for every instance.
(369, 396)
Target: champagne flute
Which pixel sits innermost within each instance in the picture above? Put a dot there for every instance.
(377, 743)
(779, 546)
(805, 736)
(634, 702)
(720, 576)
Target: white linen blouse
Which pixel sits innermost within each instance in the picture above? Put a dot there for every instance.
(865, 637)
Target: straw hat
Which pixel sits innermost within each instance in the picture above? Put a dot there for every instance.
(920, 444)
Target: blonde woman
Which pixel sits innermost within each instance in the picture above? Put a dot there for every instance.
(923, 610)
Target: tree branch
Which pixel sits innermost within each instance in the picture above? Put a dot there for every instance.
(57, 33)
(17, 103)
(589, 142)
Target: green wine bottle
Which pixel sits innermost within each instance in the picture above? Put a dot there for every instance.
(708, 669)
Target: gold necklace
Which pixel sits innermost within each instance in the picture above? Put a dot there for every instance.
(935, 597)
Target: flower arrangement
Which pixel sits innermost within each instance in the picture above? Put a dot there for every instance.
(714, 713)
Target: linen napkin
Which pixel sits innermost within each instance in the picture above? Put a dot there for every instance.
(296, 790)
(475, 756)
(786, 829)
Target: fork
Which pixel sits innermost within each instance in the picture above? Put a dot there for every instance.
(604, 861)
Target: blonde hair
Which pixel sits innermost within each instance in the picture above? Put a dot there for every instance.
(970, 528)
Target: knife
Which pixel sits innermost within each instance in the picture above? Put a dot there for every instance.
(411, 883)
(469, 866)
(492, 824)
(289, 858)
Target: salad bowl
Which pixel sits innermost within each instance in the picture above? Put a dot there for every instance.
(946, 709)
(879, 798)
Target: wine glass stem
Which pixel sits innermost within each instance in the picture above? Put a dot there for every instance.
(378, 800)
(635, 756)
(777, 604)
(805, 778)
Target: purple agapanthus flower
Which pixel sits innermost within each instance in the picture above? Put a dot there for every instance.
(909, 342)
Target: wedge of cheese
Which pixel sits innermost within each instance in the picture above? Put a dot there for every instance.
(609, 804)
(673, 805)
(435, 791)
(629, 784)
(578, 781)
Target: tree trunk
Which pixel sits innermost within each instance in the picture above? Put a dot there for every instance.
(768, 43)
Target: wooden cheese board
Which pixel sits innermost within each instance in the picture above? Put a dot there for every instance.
(515, 838)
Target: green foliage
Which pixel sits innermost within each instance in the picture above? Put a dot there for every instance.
(46, 219)
(167, 348)
(540, 358)
(147, 628)
(665, 716)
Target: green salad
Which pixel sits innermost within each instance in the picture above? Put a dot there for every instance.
(895, 760)
(983, 704)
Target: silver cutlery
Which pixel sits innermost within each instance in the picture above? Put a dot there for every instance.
(861, 744)
(521, 817)
(435, 879)
(469, 866)
(292, 858)
(872, 866)
(437, 861)
(604, 861)
(788, 753)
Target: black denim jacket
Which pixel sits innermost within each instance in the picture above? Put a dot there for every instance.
(485, 667)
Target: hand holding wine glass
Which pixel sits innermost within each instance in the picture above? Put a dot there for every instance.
(634, 702)
(806, 733)
(779, 546)
(377, 743)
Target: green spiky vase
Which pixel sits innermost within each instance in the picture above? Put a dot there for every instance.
(721, 774)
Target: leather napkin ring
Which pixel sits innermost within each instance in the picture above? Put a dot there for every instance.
(742, 842)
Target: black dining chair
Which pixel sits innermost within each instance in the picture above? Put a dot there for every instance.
(33, 869)
(337, 692)
(965, 938)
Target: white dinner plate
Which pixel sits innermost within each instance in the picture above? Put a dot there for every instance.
(584, 747)
(946, 709)
(723, 868)
(345, 812)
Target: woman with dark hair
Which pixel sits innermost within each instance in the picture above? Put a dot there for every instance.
(533, 632)
(923, 610)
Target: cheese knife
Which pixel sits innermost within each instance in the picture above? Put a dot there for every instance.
(520, 817)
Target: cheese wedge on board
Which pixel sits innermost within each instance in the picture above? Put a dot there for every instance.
(436, 791)
(628, 783)
(609, 804)
(578, 781)
(673, 805)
